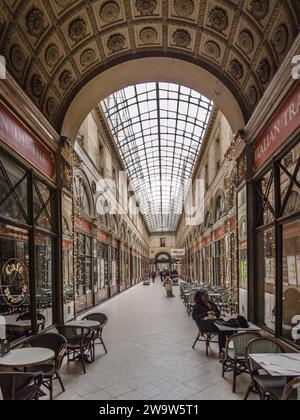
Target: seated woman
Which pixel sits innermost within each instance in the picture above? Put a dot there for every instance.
(206, 312)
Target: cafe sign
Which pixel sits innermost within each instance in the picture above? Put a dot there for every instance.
(14, 282)
(281, 127)
(22, 141)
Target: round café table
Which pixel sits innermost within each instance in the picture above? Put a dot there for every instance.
(26, 357)
(83, 324)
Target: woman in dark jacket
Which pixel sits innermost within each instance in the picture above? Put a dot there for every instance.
(206, 312)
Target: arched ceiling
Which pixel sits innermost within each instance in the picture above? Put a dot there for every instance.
(53, 47)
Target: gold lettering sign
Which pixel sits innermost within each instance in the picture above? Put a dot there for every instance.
(14, 282)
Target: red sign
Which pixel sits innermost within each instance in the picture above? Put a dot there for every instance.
(283, 124)
(233, 224)
(102, 236)
(83, 226)
(66, 245)
(220, 233)
(21, 140)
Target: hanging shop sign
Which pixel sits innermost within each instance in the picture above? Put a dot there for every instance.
(281, 127)
(22, 141)
(14, 282)
(177, 253)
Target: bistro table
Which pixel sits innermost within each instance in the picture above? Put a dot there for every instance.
(83, 324)
(26, 357)
(225, 329)
(279, 364)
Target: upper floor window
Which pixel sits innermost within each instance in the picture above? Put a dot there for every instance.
(162, 242)
(81, 195)
(220, 207)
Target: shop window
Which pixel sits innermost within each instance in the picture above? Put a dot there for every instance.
(291, 281)
(69, 298)
(267, 278)
(265, 188)
(42, 206)
(13, 192)
(100, 270)
(44, 278)
(83, 267)
(290, 182)
(23, 195)
(14, 281)
(242, 249)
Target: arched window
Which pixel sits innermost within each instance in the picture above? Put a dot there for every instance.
(220, 207)
(208, 220)
(114, 225)
(81, 195)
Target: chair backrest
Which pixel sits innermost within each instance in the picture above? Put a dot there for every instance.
(292, 389)
(12, 383)
(240, 342)
(75, 334)
(262, 345)
(52, 341)
(99, 317)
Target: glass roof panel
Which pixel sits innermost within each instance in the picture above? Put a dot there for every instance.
(159, 129)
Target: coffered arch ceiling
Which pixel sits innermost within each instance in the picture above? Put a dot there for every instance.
(53, 47)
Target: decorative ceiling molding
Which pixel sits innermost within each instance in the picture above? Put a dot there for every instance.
(53, 47)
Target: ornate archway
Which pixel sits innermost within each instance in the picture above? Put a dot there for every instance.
(55, 49)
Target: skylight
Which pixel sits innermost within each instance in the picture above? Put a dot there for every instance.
(158, 128)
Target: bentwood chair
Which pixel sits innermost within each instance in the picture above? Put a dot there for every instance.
(292, 390)
(80, 344)
(103, 320)
(20, 386)
(58, 344)
(205, 336)
(262, 383)
(235, 357)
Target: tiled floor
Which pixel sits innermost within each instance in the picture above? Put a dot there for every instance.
(149, 340)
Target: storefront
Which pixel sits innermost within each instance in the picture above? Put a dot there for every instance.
(83, 266)
(101, 270)
(276, 185)
(115, 267)
(28, 231)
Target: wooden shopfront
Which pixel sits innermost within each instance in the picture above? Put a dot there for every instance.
(29, 288)
(276, 185)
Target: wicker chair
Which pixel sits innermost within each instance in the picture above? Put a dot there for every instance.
(20, 386)
(58, 344)
(103, 320)
(261, 383)
(80, 344)
(235, 358)
(205, 336)
(292, 390)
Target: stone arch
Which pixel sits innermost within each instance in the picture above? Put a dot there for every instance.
(55, 48)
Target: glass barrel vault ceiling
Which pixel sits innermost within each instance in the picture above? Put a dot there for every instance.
(158, 128)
